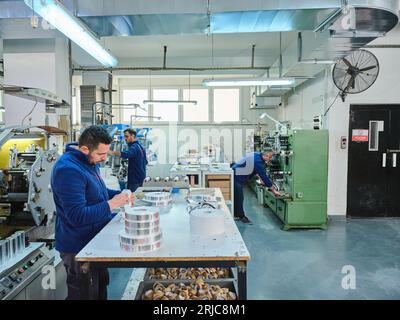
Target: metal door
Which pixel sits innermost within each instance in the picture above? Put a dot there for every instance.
(373, 174)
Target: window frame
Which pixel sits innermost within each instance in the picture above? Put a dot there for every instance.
(180, 122)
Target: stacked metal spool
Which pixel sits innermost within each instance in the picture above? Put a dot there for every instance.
(142, 232)
(160, 200)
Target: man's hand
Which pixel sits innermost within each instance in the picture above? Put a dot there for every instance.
(120, 200)
(275, 192)
(111, 153)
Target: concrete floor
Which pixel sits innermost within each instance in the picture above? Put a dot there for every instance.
(307, 264)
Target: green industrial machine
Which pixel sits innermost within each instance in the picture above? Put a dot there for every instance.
(300, 171)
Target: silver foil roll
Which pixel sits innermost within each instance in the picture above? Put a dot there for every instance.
(203, 197)
(141, 248)
(141, 224)
(142, 232)
(157, 196)
(139, 241)
(141, 214)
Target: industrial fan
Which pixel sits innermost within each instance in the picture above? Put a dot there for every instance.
(356, 72)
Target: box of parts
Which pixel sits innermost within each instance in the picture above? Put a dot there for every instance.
(187, 290)
(188, 273)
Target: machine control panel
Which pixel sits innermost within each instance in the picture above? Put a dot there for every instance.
(22, 273)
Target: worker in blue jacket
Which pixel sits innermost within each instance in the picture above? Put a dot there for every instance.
(250, 165)
(137, 160)
(84, 206)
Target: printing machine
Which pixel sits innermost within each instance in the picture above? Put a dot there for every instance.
(26, 206)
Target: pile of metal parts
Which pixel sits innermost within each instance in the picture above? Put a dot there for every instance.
(142, 231)
(187, 273)
(198, 290)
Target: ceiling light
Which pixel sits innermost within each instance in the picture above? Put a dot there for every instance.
(58, 16)
(248, 82)
(170, 101)
(316, 61)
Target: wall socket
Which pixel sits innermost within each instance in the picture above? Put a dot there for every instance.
(343, 142)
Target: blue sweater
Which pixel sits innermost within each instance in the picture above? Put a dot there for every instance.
(249, 166)
(137, 162)
(81, 199)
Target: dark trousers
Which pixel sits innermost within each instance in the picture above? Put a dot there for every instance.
(133, 186)
(238, 200)
(79, 279)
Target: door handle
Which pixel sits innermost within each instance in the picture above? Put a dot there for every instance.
(394, 160)
(383, 160)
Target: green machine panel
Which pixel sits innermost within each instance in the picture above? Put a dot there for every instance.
(300, 171)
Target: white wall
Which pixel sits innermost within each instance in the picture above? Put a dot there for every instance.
(32, 70)
(39, 64)
(314, 98)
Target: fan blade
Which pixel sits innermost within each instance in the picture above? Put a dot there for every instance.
(367, 68)
(347, 62)
(350, 84)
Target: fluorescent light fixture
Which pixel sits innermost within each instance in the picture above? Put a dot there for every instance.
(58, 16)
(170, 101)
(316, 61)
(248, 82)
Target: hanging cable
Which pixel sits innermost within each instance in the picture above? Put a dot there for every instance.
(327, 110)
(23, 119)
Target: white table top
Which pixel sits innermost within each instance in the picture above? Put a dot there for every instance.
(177, 243)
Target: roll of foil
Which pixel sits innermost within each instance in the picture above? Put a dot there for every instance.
(141, 224)
(160, 203)
(157, 196)
(139, 241)
(141, 248)
(141, 213)
(142, 232)
(203, 197)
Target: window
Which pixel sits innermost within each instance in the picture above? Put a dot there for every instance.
(134, 96)
(226, 105)
(197, 112)
(167, 111)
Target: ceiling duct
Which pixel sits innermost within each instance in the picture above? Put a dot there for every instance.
(331, 44)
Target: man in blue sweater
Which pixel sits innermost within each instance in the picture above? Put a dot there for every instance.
(137, 160)
(84, 206)
(250, 165)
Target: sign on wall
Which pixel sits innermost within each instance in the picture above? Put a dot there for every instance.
(359, 135)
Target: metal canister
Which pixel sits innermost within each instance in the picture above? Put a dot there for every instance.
(2, 249)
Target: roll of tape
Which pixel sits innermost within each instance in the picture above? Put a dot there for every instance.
(141, 213)
(141, 249)
(157, 196)
(142, 232)
(202, 197)
(139, 240)
(141, 224)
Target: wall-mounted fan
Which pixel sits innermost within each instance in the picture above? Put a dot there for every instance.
(356, 72)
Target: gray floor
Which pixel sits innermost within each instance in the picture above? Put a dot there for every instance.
(307, 264)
